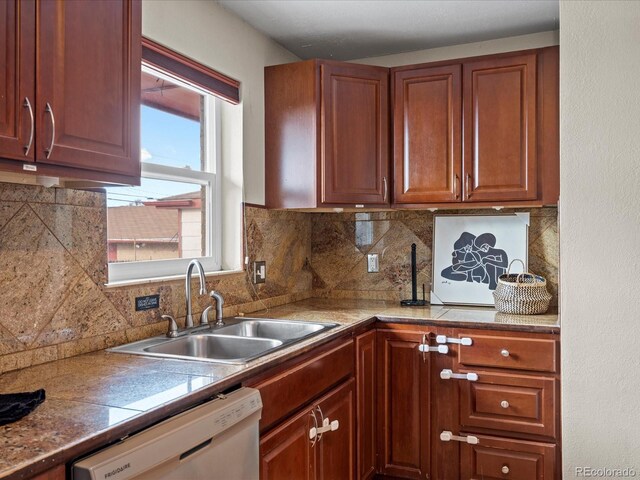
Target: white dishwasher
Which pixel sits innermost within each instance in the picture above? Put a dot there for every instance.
(214, 441)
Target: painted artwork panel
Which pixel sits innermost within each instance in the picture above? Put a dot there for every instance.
(470, 252)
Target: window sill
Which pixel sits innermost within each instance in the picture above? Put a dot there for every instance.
(169, 278)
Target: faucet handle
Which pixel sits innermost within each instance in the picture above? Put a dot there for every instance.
(204, 318)
(172, 332)
(217, 296)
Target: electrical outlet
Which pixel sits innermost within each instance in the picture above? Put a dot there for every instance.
(259, 272)
(373, 265)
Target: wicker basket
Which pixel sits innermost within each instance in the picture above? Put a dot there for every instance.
(521, 293)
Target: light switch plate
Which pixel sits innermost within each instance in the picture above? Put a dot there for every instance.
(259, 272)
(373, 265)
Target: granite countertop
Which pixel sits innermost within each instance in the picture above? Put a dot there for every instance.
(97, 398)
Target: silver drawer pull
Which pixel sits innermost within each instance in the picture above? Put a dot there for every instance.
(504, 404)
(425, 348)
(466, 341)
(447, 436)
(504, 352)
(505, 469)
(447, 374)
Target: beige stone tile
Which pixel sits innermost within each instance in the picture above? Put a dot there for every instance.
(333, 252)
(123, 299)
(84, 198)
(91, 344)
(368, 233)
(82, 231)
(86, 312)
(9, 343)
(59, 424)
(27, 358)
(7, 211)
(11, 192)
(36, 275)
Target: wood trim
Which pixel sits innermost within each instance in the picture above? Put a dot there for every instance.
(191, 71)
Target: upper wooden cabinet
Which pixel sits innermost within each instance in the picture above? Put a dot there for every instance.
(327, 135)
(478, 130)
(499, 98)
(426, 127)
(17, 77)
(71, 89)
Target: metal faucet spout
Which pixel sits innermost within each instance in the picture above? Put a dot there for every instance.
(187, 285)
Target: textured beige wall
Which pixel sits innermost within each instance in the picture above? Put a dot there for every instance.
(501, 45)
(600, 223)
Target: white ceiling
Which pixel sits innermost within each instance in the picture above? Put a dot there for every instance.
(350, 29)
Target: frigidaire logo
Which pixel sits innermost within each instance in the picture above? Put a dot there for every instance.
(118, 470)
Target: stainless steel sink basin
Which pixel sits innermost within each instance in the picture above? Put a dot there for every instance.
(284, 330)
(215, 347)
(236, 343)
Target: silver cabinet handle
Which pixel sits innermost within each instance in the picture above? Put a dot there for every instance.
(505, 469)
(49, 110)
(384, 196)
(455, 187)
(447, 436)
(504, 404)
(447, 374)
(504, 352)
(468, 187)
(27, 105)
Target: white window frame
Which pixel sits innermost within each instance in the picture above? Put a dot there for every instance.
(209, 177)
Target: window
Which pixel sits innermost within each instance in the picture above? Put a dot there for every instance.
(155, 229)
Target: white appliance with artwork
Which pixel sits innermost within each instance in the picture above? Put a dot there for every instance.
(470, 252)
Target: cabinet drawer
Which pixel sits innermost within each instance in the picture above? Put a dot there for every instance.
(513, 352)
(513, 403)
(287, 391)
(495, 458)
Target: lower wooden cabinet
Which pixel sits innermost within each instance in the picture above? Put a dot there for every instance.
(56, 473)
(500, 458)
(404, 404)
(412, 383)
(366, 393)
(289, 451)
(285, 452)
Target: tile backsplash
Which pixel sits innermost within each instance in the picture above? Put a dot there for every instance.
(53, 257)
(53, 260)
(341, 241)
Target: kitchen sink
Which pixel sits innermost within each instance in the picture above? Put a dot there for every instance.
(283, 330)
(216, 347)
(235, 343)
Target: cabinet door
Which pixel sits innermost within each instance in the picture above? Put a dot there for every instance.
(336, 449)
(427, 164)
(355, 153)
(366, 404)
(17, 92)
(499, 119)
(88, 85)
(403, 405)
(286, 451)
(495, 458)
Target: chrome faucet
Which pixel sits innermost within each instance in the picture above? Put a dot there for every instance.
(219, 303)
(188, 323)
